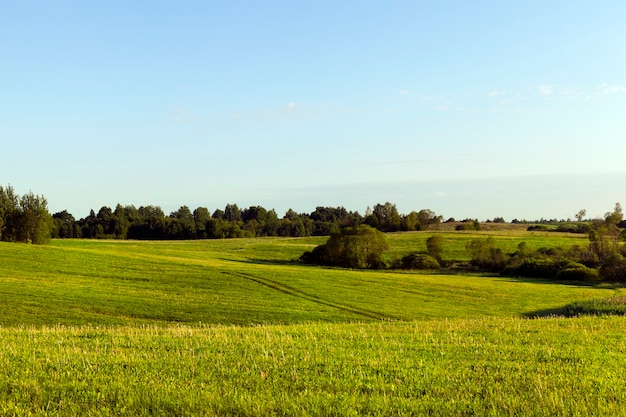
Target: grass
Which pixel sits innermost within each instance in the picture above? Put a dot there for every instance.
(488, 366)
(247, 281)
(236, 327)
(612, 306)
(455, 241)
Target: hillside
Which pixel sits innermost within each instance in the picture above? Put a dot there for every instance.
(255, 281)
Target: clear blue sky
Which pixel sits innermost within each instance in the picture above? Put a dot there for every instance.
(471, 109)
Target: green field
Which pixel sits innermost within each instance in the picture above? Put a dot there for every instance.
(237, 327)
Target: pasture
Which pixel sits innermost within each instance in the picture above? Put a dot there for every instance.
(237, 327)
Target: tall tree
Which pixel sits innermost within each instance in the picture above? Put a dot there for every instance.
(388, 218)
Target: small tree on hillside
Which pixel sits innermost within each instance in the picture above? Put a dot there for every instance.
(353, 247)
(434, 246)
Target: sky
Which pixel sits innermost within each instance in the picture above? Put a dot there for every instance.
(471, 109)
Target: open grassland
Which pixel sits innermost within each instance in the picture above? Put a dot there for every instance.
(253, 281)
(237, 327)
(488, 366)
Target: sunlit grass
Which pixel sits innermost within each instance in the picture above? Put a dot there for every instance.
(249, 281)
(489, 366)
(238, 327)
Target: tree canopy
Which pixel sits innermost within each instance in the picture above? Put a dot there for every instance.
(24, 218)
(353, 247)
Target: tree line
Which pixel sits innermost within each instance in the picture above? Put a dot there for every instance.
(150, 222)
(24, 218)
(27, 219)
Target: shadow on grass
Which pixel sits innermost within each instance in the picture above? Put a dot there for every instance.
(612, 306)
(549, 312)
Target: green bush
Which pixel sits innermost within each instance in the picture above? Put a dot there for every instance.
(485, 255)
(419, 261)
(614, 269)
(535, 268)
(353, 247)
(577, 272)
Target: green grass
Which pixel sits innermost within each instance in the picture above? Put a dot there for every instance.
(237, 327)
(489, 366)
(247, 281)
(455, 241)
(613, 306)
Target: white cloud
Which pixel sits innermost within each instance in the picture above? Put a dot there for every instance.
(609, 90)
(546, 89)
(405, 92)
(497, 93)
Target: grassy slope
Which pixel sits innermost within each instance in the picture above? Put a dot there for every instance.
(459, 351)
(252, 281)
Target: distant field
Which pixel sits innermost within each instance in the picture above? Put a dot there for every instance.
(237, 327)
(255, 281)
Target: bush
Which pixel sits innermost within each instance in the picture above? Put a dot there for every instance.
(484, 254)
(353, 247)
(534, 268)
(614, 269)
(577, 272)
(419, 261)
(434, 246)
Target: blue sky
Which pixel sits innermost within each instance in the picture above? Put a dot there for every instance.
(471, 109)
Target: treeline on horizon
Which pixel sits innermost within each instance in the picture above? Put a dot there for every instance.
(151, 222)
(26, 219)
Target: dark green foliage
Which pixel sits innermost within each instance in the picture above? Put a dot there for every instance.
(534, 268)
(387, 217)
(434, 246)
(150, 222)
(573, 228)
(614, 269)
(468, 224)
(24, 219)
(353, 247)
(419, 261)
(577, 272)
(64, 225)
(485, 255)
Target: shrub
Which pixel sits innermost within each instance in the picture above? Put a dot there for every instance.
(434, 246)
(614, 269)
(534, 268)
(353, 247)
(484, 254)
(577, 272)
(419, 261)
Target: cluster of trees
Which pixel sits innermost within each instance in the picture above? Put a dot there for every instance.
(24, 218)
(353, 247)
(150, 222)
(602, 259)
(364, 246)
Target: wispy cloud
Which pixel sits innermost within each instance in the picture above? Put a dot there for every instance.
(609, 90)
(291, 110)
(546, 89)
(405, 92)
(497, 93)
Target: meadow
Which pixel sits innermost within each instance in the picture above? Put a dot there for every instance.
(238, 327)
